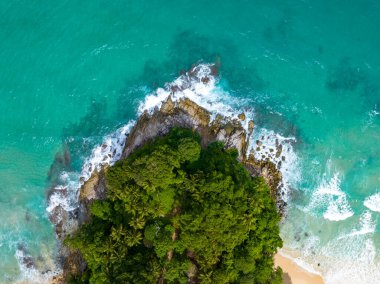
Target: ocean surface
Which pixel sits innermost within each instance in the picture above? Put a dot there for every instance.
(308, 72)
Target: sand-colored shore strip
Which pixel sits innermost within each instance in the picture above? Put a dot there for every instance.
(295, 274)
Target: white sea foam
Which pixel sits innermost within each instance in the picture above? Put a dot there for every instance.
(65, 195)
(305, 265)
(366, 226)
(29, 274)
(331, 199)
(352, 257)
(328, 197)
(288, 159)
(373, 202)
(200, 86)
(211, 96)
(195, 87)
(107, 153)
(357, 269)
(300, 262)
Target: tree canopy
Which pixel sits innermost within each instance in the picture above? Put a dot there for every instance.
(179, 213)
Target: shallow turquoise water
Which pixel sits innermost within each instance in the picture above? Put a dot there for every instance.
(76, 70)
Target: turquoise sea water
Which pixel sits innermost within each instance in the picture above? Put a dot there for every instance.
(74, 71)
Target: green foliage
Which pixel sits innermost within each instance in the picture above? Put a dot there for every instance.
(176, 213)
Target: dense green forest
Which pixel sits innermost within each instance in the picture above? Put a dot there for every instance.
(179, 213)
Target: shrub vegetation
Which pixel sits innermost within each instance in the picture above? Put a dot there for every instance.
(178, 213)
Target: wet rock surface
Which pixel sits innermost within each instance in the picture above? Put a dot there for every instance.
(272, 176)
(172, 113)
(187, 114)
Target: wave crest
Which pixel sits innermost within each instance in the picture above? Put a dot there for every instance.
(330, 199)
(373, 202)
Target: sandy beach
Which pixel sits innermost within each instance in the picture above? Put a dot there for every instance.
(294, 274)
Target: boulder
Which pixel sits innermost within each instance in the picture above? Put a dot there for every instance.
(241, 116)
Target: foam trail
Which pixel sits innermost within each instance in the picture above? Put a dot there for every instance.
(300, 262)
(331, 199)
(29, 274)
(328, 198)
(64, 196)
(107, 153)
(367, 226)
(352, 258)
(200, 86)
(373, 202)
(266, 144)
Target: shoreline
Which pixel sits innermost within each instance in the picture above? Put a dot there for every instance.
(161, 111)
(294, 273)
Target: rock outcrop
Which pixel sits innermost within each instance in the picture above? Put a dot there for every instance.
(187, 114)
(172, 113)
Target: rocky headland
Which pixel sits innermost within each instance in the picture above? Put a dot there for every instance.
(183, 113)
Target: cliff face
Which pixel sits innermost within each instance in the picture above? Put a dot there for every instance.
(183, 113)
(186, 114)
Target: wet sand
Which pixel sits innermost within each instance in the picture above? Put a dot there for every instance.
(295, 274)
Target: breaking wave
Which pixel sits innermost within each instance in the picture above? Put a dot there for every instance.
(330, 199)
(201, 86)
(352, 257)
(373, 202)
